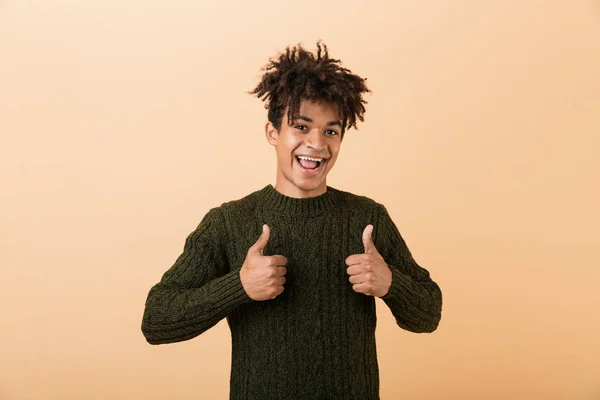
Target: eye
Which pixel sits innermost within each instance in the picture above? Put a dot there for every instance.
(300, 127)
(333, 133)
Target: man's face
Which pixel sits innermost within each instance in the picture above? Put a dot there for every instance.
(315, 133)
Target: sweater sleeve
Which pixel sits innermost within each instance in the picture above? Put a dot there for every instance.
(197, 291)
(414, 298)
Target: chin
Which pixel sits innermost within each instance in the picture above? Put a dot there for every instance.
(308, 185)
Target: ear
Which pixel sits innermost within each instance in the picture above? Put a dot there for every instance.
(271, 134)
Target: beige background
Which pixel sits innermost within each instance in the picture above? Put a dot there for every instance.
(123, 122)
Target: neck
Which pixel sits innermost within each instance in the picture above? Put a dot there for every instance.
(287, 188)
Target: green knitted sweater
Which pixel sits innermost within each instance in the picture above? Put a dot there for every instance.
(316, 340)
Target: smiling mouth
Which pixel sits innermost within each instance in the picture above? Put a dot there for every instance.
(316, 168)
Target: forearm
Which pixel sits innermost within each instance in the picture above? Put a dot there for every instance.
(175, 314)
(416, 305)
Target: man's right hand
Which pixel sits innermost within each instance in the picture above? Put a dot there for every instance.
(263, 276)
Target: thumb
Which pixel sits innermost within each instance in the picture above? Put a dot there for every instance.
(260, 244)
(367, 240)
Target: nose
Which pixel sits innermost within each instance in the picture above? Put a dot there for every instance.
(315, 140)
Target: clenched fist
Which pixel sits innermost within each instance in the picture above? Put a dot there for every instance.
(263, 276)
(369, 273)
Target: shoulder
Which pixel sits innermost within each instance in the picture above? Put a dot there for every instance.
(357, 201)
(240, 206)
(232, 212)
(361, 206)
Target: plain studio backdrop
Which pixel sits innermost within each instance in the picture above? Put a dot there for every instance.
(123, 122)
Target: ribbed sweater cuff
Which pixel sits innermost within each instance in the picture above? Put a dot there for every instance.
(228, 292)
(401, 287)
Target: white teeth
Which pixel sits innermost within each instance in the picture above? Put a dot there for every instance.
(310, 159)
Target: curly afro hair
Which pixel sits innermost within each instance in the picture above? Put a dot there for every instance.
(298, 75)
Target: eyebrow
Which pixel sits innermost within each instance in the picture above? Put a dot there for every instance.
(330, 123)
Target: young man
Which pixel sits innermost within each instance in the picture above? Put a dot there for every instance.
(295, 267)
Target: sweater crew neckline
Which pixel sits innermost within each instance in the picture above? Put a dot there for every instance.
(272, 200)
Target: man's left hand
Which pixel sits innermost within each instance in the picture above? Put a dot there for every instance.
(369, 273)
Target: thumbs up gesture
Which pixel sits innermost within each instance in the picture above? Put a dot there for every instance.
(369, 273)
(263, 276)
